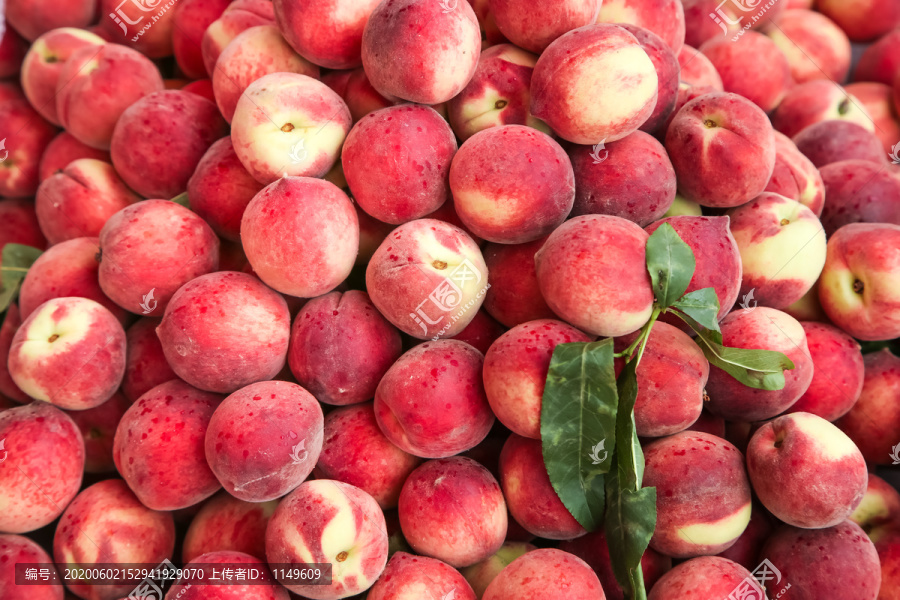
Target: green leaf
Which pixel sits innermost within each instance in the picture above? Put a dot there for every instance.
(15, 260)
(578, 423)
(671, 264)
(629, 456)
(629, 524)
(702, 306)
(182, 199)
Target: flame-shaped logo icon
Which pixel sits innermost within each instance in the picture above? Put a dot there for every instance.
(451, 595)
(3, 452)
(595, 457)
(596, 153)
(895, 153)
(148, 303)
(895, 454)
(298, 153)
(449, 6)
(299, 453)
(746, 301)
(5, 152)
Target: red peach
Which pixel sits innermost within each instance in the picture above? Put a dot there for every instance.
(832, 141)
(815, 47)
(407, 576)
(31, 18)
(887, 544)
(481, 574)
(697, 70)
(534, 27)
(15, 549)
(191, 20)
(546, 574)
(862, 20)
(25, 137)
(859, 191)
(704, 578)
(667, 70)
(707, 20)
(19, 224)
(665, 18)
(514, 296)
(13, 49)
(879, 510)
(226, 523)
(63, 150)
(191, 587)
(873, 423)
(8, 388)
(686, 93)
(795, 177)
(482, 331)
(815, 101)
(238, 16)
(98, 428)
(745, 551)
(146, 366)
(149, 30)
(876, 99)
(356, 91)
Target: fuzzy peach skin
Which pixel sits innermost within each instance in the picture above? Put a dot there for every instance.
(745, 551)
(546, 574)
(594, 84)
(703, 578)
(238, 16)
(428, 278)
(887, 544)
(716, 253)
(98, 428)
(190, 22)
(723, 150)
(356, 90)
(31, 18)
(19, 224)
(44, 63)
(8, 388)
(515, 369)
(697, 70)
(158, 447)
(795, 176)
(326, 521)
(397, 161)
(253, 53)
(806, 560)
(703, 498)
(859, 287)
(873, 422)
(877, 100)
(26, 135)
(592, 273)
(531, 499)
(833, 141)
(288, 124)
(97, 84)
(815, 101)
(430, 66)
(16, 549)
(534, 27)
(767, 329)
(158, 141)
(355, 451)
(77, 201)
(879, 63)
(838, 372)
(149, 250)
(328, 33)
(226, 523)
(512, 184)
(106, 523)
(410, 577)
(224, 331)
(514, 296)
(452, 509)
(499, 93)
(190, 587)
(859, 191)
(782, 246)
(815, 47)
(664, 18)
(806, 471)
(341, 347)
(69, 352)
(667, 70)
(301, 236)
(879, 509)
(632, 178)
(62, 151)
(481, 574)
(264, 440)
(764, 85)
(145, 365)
(700, 27)
(481, 332)
(43, 463)
(671, 381)
(431, 402)
(862, 20)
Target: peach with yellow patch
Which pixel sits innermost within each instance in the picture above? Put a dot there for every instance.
(546, 574)
(795, 177)
(533, 26)
(226, 523)
(815, 47)
(664, 18)
(818, 100)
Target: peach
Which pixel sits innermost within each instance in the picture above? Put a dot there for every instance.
(80, 199)
(13, 49)
(514, 296)
(859, 191)
(149, 29)
(697, 70)
(767, 329)
(858, 287)
(428, 278)
(832, 141)
(703, 498)
(329, 33)
(481, 574)
(887, 544)
(606, 91)
(253, 53)
(25, 136)
(795, 176)
(408, 577)
(356, 91)
(69, 352)
(686, 93)
(534, 27)
(158, 447)
(98, 427)
(805, 559)
(190, 22)
(873, 423)
(225, 330)
(204, 567)
(145, 366)
(808, 308)
(546, 574)
(664, 18)
(128, 531)
(512, 184)
(716, 134)
(482, 331)
(667, 70)
(15, 549)
(43, 454)
(703, 578)
(430, 67)
(31, 18)
(8, 388)
(815, 101)
(301, 236)
(806, 471)
(876, 99)
(63, 150)
(862, 20)
(431, 402)
(592, 273)
(397, 162)
(879, 509)
(288, 124)
(782, 246)
(716, 254)
(879, 62)
(96, 85)
(707, 20)
(149, 250)
(326, 521)
(226, 523)
(44, 62)
(745, 551)
(515, 369)
(19, 224)
(815, 47)
(499, 93)
(341, 347)
(632, 178)
(837, 375)
(238, 16)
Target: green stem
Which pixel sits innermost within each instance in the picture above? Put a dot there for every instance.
(646, 334)
(16, 269)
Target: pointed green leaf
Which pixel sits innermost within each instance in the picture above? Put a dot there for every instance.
(629, 524)
(15, 260)
(182, 199)
(670, 263)
(629, 456)
(702, 306)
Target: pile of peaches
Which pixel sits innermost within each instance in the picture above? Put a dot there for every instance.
(282, 280)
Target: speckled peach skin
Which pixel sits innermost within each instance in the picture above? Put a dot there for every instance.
(815, 101)
(481, 332)
(145, 365)
(667, 71)
(700, 578)
(238, 16)
(65, 149)
(534, 27)
(765, 85)
(226, 523)
(16, 549)
(191, 20)
(31, 18)
(832, 141)
(874, 421)
(664, 18)
(98, 428)
(546, 574)
(43, 463)
(697, 70)
(8, 388)
(408, 577)
(879, 63)
(26, 135)
(795, 176)
(862, 20)
(879, 508)
(815, 47)
(859, 191)
(514, 296)
(265, 588)
(877, 100)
